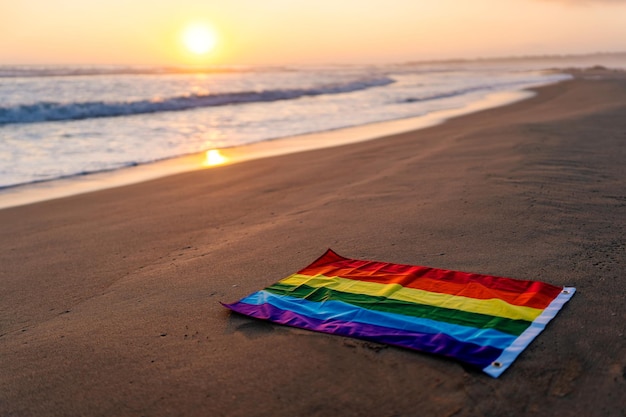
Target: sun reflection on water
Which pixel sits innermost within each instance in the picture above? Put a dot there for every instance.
(214, 157)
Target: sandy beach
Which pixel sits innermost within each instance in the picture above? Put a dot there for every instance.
(110, 300)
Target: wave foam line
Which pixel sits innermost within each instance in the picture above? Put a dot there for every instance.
(53, 111)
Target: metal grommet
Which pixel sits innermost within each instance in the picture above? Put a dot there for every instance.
(497, 364)
(565, 291)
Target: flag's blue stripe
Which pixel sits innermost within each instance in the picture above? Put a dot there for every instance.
(441, 344)
(338, 310)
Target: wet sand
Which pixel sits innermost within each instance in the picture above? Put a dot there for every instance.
(110, 300)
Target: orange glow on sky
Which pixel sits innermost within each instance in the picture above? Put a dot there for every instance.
(146, 32)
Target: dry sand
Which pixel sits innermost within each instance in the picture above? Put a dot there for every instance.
(109, 300)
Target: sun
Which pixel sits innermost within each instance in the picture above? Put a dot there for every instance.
(199, 38)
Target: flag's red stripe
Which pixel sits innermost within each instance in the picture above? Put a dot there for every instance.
(518, 292)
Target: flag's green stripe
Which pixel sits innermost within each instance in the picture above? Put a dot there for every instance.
(489, 307)
(514, 327)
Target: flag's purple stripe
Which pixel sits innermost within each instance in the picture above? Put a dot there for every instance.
(330, 309)
(439, 343)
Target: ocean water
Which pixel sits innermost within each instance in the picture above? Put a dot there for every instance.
(61, 122)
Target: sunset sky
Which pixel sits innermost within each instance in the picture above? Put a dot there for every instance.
(304, 31)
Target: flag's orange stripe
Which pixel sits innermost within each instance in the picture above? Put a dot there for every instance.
(518, 292)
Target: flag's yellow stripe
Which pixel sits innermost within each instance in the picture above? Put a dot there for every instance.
(493, 306)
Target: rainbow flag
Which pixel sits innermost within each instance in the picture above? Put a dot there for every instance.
(481, 320)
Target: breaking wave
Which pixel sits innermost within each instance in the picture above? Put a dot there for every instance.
(55, 111)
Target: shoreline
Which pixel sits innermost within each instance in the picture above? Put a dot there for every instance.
(22, 194)
(110, 301)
